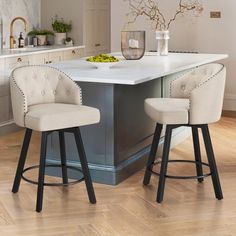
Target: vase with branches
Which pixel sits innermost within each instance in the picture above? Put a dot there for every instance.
(152, 11)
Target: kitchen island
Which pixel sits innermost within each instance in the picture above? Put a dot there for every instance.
(119, 145)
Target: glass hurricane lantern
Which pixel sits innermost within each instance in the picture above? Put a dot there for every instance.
(133, 44)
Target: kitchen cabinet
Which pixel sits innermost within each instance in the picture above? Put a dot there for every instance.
(54, 57)
(15, 62)
(73, 54)
(97, 26)
(39, 59)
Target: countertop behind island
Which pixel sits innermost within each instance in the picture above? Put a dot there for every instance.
(17, 52)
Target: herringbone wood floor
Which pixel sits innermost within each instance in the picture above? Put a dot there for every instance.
(189, 208)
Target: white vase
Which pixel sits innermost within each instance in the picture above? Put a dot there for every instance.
(42, 39)
(162, 38)
(60, 38)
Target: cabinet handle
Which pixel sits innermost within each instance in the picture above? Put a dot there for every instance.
(19, 59)
(73, 52)
(97, 45)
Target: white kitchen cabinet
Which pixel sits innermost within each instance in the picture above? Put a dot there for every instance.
(73, 54)
(39, 59)
(12, 63)
(96, 26)
(5, 105)
(54, 57)
(3, 79)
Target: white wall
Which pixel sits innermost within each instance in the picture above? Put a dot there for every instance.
(9, 9)
(202, 34)
(69, 10)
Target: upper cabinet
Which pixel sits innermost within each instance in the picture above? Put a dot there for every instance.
(97, 26)
(90, 21)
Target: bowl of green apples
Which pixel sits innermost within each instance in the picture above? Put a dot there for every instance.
(103, 61)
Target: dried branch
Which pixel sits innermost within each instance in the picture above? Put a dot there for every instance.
(150, 9)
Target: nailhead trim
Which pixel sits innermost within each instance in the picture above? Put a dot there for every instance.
(23, 95)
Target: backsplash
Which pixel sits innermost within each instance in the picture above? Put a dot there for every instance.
(9, 9)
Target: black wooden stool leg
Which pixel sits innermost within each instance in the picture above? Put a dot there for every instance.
(197, 153)
(212, 162)
(84, 165)
(63, 157)
(152, 155)
(164, 164)
(41, 175)
(21, 162)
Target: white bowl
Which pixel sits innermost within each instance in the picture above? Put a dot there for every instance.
(103, 65)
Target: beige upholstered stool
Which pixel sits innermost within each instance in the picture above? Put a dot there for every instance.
(196, 100)
(46, 100)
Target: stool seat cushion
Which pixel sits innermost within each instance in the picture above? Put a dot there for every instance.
(168, 110)
(55, 116)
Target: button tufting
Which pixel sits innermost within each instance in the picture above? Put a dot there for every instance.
(60, 77)
(183, 87)
(68, 92)
(54, 92)
(43, 92)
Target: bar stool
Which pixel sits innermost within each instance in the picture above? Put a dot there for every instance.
(45, 99)
(196, 100)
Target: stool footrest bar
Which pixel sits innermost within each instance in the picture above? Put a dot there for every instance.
(180, 177)
(52, 184)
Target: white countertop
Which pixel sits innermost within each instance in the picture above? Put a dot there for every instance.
(6, 53)
(137, 71)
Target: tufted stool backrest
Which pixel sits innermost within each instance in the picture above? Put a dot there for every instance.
(204, 86)
(43, 84)
(39, 85)
(183, 85)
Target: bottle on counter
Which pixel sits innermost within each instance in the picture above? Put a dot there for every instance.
(21, 41)
(35, 41)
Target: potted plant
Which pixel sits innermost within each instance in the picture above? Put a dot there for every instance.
(41, 35)
(61, 29)
(69, 41)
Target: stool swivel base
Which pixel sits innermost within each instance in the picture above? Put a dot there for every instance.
(165, 159)
(83, 160)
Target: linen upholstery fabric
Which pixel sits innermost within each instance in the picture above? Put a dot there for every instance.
(168, 110)
(204, 87)
(51, 116)
(51, 92)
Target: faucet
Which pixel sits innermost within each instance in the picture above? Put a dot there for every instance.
(11, 29)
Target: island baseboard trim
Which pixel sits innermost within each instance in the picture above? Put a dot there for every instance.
(113, 175)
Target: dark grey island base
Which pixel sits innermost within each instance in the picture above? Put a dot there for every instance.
(119, 145)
